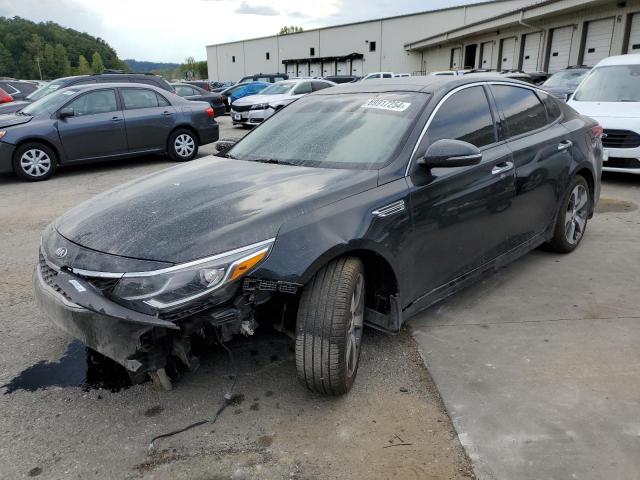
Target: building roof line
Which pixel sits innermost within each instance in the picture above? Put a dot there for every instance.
(360, 22)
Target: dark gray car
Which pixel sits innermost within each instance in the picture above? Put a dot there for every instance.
(102, 122)
(194, 93)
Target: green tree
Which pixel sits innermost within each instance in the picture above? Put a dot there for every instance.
(83, 66)
(7, 66)
(61, 59)
(201, 70)
(48, 62)
(25, 67)
(96, 63)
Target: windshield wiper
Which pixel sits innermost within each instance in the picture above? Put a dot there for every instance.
(274, 161)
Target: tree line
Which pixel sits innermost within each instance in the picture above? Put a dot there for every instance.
(47, 50)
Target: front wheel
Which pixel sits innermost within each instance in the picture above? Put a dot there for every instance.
(573, 216)
(183, 145)
(329, 327)
(34, 162)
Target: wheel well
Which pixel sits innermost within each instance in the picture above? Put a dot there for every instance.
(588, 176)
(43, 142)
(185, 127)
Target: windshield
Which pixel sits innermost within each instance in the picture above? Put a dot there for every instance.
(278, 88)
(46, 90)
(617, 83)
(568, 79)
(49, 104)
(351, 131)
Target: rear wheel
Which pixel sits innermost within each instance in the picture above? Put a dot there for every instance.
(34, 162)
(329, 327)
(571, 223)
(183, 145)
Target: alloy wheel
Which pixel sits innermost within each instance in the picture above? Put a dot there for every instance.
(576, 215)
(356, 323)
(184, 145)
(35, 162)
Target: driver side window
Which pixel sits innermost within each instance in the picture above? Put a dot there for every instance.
(304, 87)
(464, 116)
(100, 101)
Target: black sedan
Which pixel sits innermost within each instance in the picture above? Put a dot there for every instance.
(381, 200)
(197, 94)
(102, 122)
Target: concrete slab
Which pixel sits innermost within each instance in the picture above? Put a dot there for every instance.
(539, 365)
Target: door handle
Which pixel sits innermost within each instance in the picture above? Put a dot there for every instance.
(115, 119)
(564, 145)
(166, 114)
(501, 168)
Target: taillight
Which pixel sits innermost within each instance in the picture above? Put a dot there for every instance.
(6, 98)
(597, 131)
(210, 112)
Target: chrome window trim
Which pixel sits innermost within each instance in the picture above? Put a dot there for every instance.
(452, 92)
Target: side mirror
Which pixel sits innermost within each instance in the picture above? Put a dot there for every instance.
(66, 112)
(224, 145)
(450, 153)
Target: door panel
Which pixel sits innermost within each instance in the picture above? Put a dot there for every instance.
(147, 122)
(561, 39)
(460, 214)
(634, 34)
(96, 130)
(598, 41)
(541, 155)
(531, 51)
(486, 60)
(507, 60)
(456, 54)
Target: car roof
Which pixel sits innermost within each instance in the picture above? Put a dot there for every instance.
(628, 59)
(426, 84)
(97, 86)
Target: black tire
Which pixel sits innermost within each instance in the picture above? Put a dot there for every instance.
(34, 162)
(560, 241)
(182, 145)
(323, 328)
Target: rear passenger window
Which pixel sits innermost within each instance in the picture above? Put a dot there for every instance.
(304, 87)
(139, 98)
(522, 109)
(464, 116)
(553, 109)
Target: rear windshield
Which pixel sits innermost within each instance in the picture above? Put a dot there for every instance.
(351, 131)
(616, 83)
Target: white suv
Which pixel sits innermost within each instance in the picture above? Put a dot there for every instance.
(610, 93)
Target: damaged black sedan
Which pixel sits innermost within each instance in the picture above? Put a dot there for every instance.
(357, 205)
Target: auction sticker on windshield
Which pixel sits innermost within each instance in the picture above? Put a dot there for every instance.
(382, 104)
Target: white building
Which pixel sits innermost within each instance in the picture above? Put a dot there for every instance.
(530, 35)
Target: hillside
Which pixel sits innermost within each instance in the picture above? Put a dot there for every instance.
(28, 48)
(138, 66)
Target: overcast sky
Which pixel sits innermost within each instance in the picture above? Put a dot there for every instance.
(161, 30)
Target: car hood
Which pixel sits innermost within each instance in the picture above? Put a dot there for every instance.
(9, 120)
(255, 99)
(209, 206)
(607, 109)
(14, 106)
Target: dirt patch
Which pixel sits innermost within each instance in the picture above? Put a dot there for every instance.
(614, 205)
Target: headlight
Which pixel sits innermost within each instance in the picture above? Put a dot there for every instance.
(179, 284)
(260, 106)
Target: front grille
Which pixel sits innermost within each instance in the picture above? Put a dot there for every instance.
(622, 163)
(104, 284)
(241, 108)
(620, 139)
(49, 275)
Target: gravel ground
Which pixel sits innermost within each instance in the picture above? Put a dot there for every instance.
(392, 425)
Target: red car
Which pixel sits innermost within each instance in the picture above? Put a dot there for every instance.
(5, 97)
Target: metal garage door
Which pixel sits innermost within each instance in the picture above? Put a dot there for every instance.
(291, 69)
(356, 67)
(342, 69)
(456, 54)
(487, 55)
(314, 69)
(303, 70)
(328, 68)
(597, 43)
(508, 53)
(531, 51)
(634, 34)
(560, 48)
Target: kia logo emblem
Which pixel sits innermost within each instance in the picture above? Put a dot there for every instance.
(61, 252)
